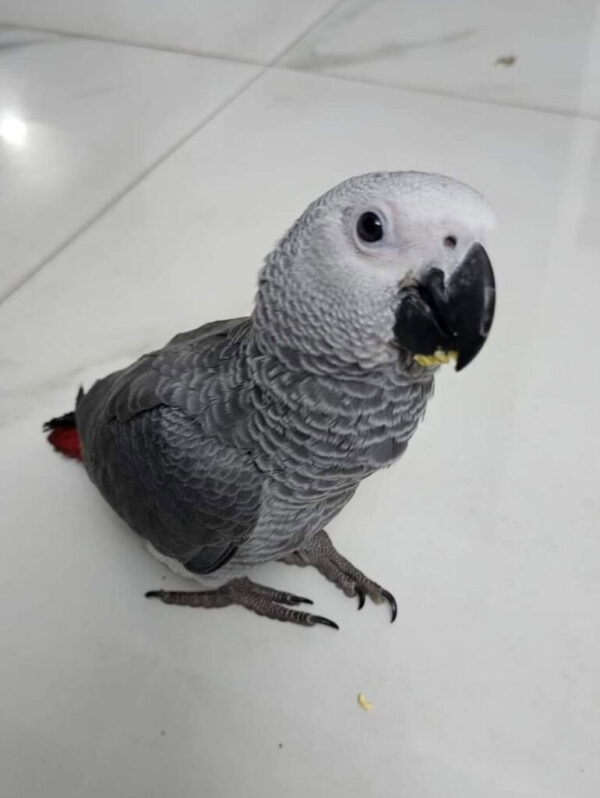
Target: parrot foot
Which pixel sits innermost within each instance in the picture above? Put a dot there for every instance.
(242, 591)
(320, 552)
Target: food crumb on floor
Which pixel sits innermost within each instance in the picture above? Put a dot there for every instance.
(364, 703)
(505, 61)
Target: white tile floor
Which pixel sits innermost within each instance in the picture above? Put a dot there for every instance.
(98, 115)
(130, 211)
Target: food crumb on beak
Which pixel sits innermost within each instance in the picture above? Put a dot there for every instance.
(439, 358)
(363, 703)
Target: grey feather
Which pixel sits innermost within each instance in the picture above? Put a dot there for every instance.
(158, 440)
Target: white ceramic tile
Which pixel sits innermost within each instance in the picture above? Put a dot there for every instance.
(486, 531)
(455, 47)
(256, 30)
(79, 121)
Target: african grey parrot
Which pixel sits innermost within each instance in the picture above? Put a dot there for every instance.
(236, 443)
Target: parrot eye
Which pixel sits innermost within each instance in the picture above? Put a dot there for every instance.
(369, 227)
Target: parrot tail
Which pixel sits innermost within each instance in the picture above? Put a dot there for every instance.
(64, 436)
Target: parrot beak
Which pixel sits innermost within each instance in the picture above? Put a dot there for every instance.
(438, 319)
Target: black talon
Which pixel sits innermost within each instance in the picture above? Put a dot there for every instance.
(324, 621)
(361, 597)
(153, 594)
(299, 600)
(392, 602)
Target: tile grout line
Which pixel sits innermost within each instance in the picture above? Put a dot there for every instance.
(274, 63)
(445, 95)
(94, 37)
(139, 178)
(306, 32)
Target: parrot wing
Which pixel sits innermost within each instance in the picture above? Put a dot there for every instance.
(166, 442)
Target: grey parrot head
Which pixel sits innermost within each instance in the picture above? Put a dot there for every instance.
(382, 264)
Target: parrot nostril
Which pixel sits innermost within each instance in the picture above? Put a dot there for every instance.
(450, 242)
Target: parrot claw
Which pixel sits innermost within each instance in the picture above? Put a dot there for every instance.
(325, 621)
(262, 600)
(320, 552)
(298, 600)
(392, 602)
(361, 597)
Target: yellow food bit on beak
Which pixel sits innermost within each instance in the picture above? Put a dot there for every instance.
(363, 703)
(438, 358)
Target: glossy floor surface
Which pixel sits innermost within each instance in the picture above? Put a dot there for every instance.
(149, 158)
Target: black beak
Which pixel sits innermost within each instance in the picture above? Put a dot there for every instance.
(453, 316)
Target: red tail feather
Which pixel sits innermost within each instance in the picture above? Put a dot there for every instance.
(63, 436)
